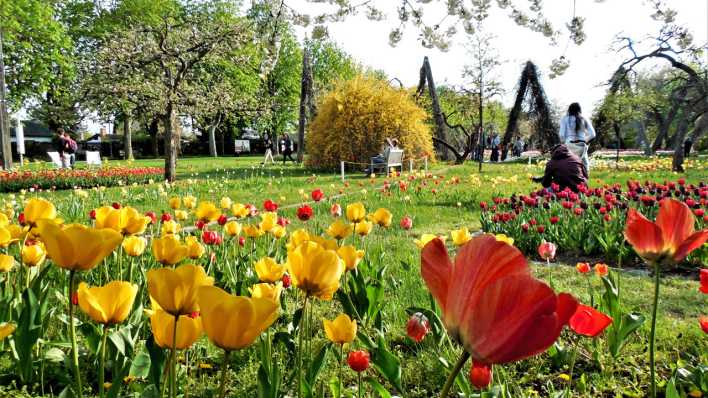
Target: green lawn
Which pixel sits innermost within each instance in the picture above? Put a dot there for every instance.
(681, 343)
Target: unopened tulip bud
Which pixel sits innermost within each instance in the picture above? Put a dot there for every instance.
(480, 375)
(417, 327)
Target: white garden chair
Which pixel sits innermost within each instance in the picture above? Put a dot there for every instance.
(56, 159)
(93, 158)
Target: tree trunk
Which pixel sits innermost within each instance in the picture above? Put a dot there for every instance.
(305, 94)
(212, 140)
(681, 130)
(127, 138)
(440, 131)
(642, 136)
(171, 143)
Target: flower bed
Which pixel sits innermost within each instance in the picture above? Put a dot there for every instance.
(14, 181)
(589, 222)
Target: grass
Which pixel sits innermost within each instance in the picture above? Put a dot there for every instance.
(680, 340)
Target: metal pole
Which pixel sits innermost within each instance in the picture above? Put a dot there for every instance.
(410, 165)
(341, 169)
(5, 145)
(426, 164)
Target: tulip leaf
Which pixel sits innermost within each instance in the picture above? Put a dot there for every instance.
(157, 361)
(335, 387)
(620, 333)
(317, 363)
(118, 342)
(386, 363)
(378, 388)
(671, 391)
(29, 330)
(140, 366)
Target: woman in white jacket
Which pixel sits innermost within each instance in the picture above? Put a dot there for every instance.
(576, 132)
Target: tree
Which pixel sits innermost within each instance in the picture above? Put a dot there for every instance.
(160, 58)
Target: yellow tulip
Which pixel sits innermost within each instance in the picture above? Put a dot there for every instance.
(278, 231)
(181, 215)
(268, 270)
(4, 220)
(327, 244)
(504, 238)
(109, 304)
(33, 255)
(297, 238)
(356, 212)
(39, 209)
(175, 290)
(351, 256)
(232, 228)
(252, 231)
(7, 263)
(314, 270)
(188, 329)
(226, 202)
(341, 330)
(382, 217)
(460, 236)
(267, 290)
(6, 329)
(269, 220)
(6, 238)
(425, 238)
(134, 246)
(239, 210)
(194, 249)
(126, 220)
(189, 202)
(207, 211)
(170, 227)
(364, 228)
(234, 322)
(168, 250)
(77, 247)
(339, 229)
(17, 232)
(175, 203)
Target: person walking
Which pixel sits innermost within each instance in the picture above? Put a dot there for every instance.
(576, 132)
(286, 146)
(495, 143)
(268, 150)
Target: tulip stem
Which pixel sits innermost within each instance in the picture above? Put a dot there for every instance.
(299, 347)
(224, 371)
(652, 333)
(359, 387)
(453, 374)
(102, 363)
(173, 373)
(72, 337)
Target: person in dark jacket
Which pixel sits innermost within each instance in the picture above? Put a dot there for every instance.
(565, 169)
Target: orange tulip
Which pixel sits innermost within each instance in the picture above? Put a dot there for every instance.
(668, 240)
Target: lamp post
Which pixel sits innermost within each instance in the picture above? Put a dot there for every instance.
(5, 146)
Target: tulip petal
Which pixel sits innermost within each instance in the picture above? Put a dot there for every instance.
(645, 236)
(690, 244)
(58, 245)
(675, 220)
(436, 268)
(588, 321)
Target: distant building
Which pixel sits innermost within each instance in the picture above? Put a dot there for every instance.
(34, 132)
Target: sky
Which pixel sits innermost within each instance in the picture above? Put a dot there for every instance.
(592, 63)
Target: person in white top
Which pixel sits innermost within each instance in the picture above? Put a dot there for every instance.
(576, 132)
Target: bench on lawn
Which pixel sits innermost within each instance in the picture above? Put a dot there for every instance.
(394, 159)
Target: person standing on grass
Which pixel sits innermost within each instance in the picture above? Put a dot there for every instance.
(286, 146)
(268, 150)
(70, 147)
(60, 145)
(576, 132)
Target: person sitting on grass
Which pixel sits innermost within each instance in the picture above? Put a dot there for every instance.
(565, 169)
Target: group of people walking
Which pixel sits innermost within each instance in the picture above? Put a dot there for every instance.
(285, 145)
(67, 147)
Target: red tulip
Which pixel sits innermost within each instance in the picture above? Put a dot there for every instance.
(480, 375)
(668, 240)
(547, 250)
(540, 229)
(358, 361)
(116, 205)
(286, 280)
(601, 269)
(92, 214)
(21, 218)
(525, 227)
(483, 205)
(417, 327)
(269, 205)
(578, 211)
(75, 298)
(200, 224)
(554, 219)
(222, 220)
(242, 241)
(283, 222)
(583, 268)
(406, 223)
(588, 321)
(152, 215)
(317, 195)
(704, 323)
(211, 238)
(335, 210)
(165, 217)
(304, 212)
(491, 303)
(704, 281)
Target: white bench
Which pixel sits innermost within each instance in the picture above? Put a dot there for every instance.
(56, 159)
(395, 159)
(93, 157)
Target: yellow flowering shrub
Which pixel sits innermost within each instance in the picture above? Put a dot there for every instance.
(355, 118)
